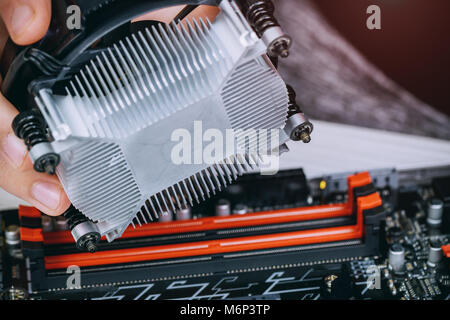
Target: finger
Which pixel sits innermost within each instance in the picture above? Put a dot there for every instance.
(168, 14)
(16, 174)
(12, 147)
(3, 36)
(40, 190)
(209, 12)
(27, 21)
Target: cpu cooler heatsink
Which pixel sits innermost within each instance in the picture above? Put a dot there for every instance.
(113, 129)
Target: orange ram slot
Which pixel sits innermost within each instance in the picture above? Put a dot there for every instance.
(32, 235)
(251, 219)
(446, 250)
(214, 223)
(29, 212)
(219, 246)
(202, 248)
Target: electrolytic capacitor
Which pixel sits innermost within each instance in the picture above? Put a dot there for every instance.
(435, 211)
(166, 216)
(395, 234)
(434, 254)
(397, 258)
(184, 214)
(240, 209)
(223, 208)
(12, 235)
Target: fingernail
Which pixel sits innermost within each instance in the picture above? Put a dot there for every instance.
(14, 149)
(21, 17)
(47, 193)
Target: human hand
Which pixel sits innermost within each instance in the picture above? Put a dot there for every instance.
(27, 21)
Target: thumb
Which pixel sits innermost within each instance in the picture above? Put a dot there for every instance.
(27, 21)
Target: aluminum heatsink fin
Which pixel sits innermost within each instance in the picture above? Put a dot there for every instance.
(146, 78)
(195, 188)
(265, 99)
(114, 129)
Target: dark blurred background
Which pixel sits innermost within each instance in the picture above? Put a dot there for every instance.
(412, 48)
(396, 78)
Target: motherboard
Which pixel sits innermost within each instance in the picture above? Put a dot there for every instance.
(380, 234)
